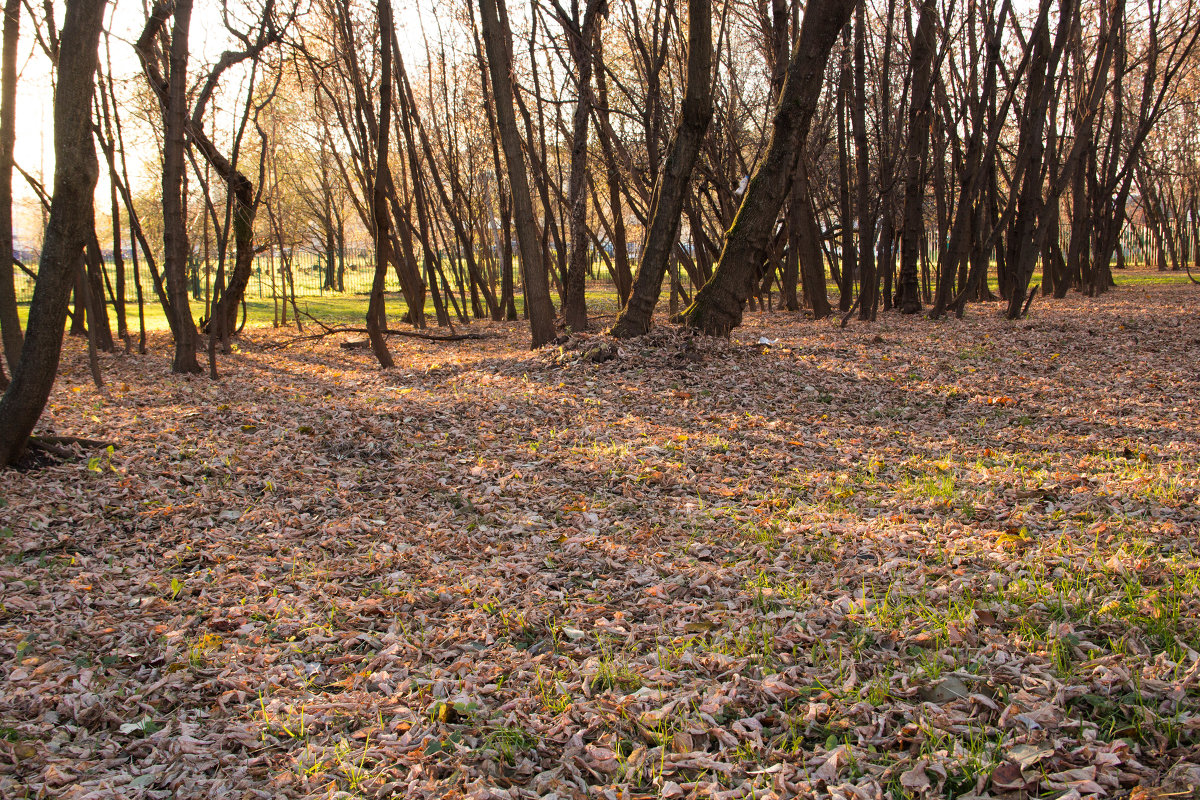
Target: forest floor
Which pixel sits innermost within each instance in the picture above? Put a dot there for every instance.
(907, 558)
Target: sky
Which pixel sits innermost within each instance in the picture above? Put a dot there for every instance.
(35, 114)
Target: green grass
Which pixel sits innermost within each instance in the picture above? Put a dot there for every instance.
(350, 309)
(1142, 277)
(332, 310)
(345, 309)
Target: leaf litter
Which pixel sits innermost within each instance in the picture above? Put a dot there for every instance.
(912, 559)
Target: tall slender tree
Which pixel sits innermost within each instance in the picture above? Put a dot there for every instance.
(498, 44)
(379, 199)
(10, 323)
(171, 90)
(582, 35)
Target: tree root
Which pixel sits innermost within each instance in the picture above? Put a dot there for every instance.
(58, 445)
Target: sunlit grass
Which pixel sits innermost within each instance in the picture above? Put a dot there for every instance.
(350, 308)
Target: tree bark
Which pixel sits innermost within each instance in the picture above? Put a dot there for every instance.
(497, 42)
(379, 200)
(909, 298)
(10, 323)
(622, 275)
(581, 39)
(868, 286)
(848, 271)
(667, 204)
(172, 94)
(175, 238)
(717, 308)
(75, 173)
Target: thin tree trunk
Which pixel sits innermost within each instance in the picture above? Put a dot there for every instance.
(622, 275)
(10, 323)
(849, 261)
(175, 238)
(806, 237)
(868, 287)
(99, 331)
(119, 268)
(918, 144)
(375, 308)
(411, 123)
(581, 38)
(497, 42)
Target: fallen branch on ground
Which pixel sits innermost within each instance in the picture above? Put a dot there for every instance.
(330, 330)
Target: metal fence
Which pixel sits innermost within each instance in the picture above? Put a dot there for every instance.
(308, 274)
(304, 274)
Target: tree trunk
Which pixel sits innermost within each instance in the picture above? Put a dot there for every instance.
(581, 39)
(175, 238)
(10, 323)
(375, 309)
(171, 91)
(622, 275)
(119, 267)
(99, 329)
(667, 205)
(806, 238)
(868, 283)
(411, 124)
(848, 271)
(497, 42)
(75, 173)
(717, 308)
(918, 143)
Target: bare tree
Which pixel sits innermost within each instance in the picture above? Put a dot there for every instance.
(717, 308)
(667, 203)
(171, 90)
(582, 35)
(498, 44)
(10, 323)
(380, 182)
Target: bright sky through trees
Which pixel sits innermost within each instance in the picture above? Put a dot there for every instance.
(34, 141)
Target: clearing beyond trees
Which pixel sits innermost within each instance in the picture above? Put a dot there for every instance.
(915, 558)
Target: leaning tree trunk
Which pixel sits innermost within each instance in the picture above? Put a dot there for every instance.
(223, 320)
(667, 203)
(411, 124)
(497, 42)
(717, 308)
(75, 173)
